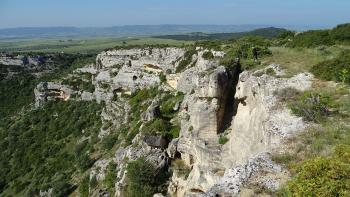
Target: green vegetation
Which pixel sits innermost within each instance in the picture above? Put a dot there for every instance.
(162, 125)
(111, 177)
(84, 186)
(139, 102)
(312, 106)
(319, 163)
(322, 176)
(268, 33)
(82, 45)
(187, 59)
(314, 38)
(168, 102)
(223, 140)
(18, 91)
(37, 147)
(144, 179)
(296, 60)
(78, 84)
(336, 69)
(162, 77)
(208, 55)
(243, 49)
(109, 141)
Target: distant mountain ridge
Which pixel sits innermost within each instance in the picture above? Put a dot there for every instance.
(119, 31)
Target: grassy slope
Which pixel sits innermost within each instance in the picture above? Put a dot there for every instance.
(296, 60)
(319, 139)
(80, 45)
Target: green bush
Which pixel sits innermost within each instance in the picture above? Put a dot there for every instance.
(162, 77)
(111, 176)
(186, 59)
(156, 127)
(84, 162)
(208, 55)
(109, 141)
(322, 176)
(282, 158)
(144, 179)
(337, 69)
(168, 102)
(84, 187)
(311, 106)
(223, 140)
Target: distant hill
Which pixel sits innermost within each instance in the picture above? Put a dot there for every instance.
(118, 31)
(270, 32)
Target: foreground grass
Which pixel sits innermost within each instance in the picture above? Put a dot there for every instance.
(318, 157)
(296, 60)
(81, 45)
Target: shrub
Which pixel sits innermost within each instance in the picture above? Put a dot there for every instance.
(144, 179)
(109, 141)
(186, 59)
(271, 72)
(168, 103)
(111, 176)
(311, 106)
(93, 182)
(156, 127)
(323, 176)
(162, 77)
(335, 69)
(85, 162)
(223, 140)
(84, 187)
(208, 55)
(282, 158)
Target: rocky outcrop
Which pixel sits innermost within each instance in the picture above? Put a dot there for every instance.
(22, 60)
(46, 91)
(258, 125)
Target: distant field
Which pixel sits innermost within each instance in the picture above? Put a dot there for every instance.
(80, 45)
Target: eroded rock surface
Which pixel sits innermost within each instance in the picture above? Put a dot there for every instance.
(219, 102)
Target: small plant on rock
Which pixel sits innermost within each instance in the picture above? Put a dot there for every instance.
(223, 139)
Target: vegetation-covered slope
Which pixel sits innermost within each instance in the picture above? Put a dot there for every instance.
(43, 148)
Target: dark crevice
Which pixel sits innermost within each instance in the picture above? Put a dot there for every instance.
(231, 105)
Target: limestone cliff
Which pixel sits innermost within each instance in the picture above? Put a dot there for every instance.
(219, 102)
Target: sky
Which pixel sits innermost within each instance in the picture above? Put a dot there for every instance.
(102, 13)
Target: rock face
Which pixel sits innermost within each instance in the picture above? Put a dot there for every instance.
(22, 60)
(259, 123)
(46, 91)
(219, 102)
(12, 60)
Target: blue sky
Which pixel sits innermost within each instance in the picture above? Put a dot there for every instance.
(34, 13)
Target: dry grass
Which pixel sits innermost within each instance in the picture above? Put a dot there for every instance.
(296, 60)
